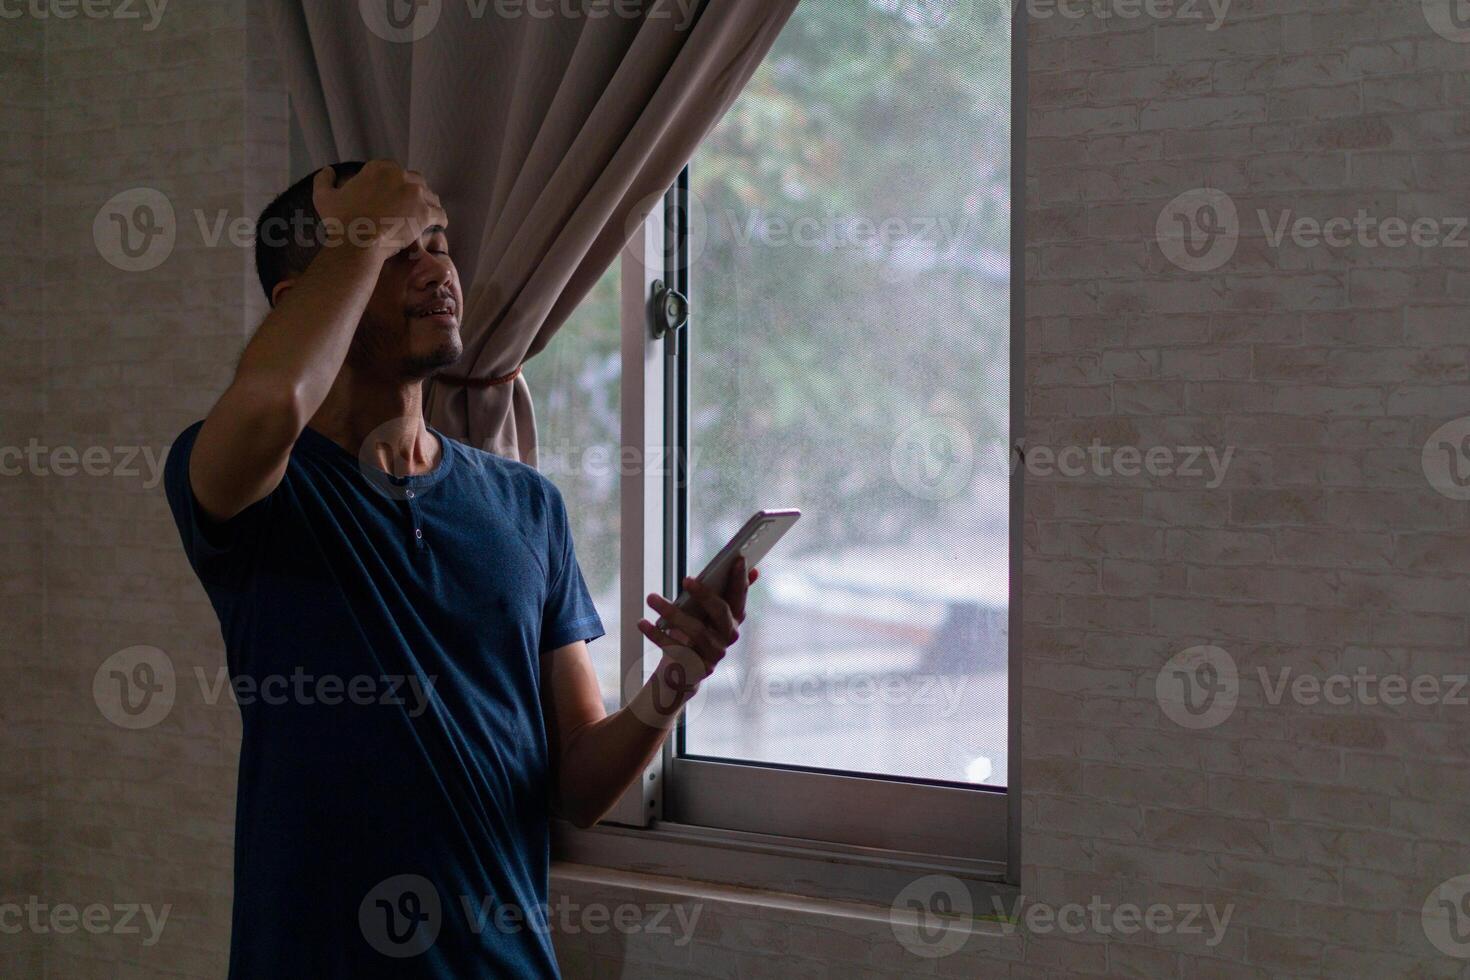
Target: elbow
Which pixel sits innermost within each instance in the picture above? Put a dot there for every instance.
(581, 810)
(583, 815)
(277, 408)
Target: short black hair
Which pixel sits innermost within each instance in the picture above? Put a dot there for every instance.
(288, 235)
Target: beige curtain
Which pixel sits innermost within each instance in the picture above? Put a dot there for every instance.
(549, 127)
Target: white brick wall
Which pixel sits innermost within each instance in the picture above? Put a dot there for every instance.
(21, 584)
(1323, 550)
(96, 356)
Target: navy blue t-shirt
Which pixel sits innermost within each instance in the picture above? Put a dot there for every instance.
(383, 639)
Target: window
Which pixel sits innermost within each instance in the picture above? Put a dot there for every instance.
(845, 237)
(576, 386)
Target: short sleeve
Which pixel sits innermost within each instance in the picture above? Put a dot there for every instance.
(216, 549)
(569, 614)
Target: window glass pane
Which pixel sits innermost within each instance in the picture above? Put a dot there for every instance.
(850, 229)
(575, 383)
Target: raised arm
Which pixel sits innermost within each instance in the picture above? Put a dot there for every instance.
(289, 366)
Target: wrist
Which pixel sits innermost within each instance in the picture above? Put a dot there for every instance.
(354, 254)
(362, 234)
(671, 686)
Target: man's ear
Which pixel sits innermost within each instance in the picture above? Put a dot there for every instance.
(280, 290)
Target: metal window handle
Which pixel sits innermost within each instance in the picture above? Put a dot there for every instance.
(670, 310)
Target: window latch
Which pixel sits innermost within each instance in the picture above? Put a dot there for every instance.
(670, 310)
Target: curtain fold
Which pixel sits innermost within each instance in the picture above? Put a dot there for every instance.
(549, 135)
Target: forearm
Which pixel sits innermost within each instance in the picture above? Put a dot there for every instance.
(605, 757)
(301, 346)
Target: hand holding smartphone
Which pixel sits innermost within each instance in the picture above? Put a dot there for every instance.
(753, 542)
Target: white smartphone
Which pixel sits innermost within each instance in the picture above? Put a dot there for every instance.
(753, 541)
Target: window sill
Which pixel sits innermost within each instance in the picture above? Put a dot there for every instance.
(570, 877)
(863, 881)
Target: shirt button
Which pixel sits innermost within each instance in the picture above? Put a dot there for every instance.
(410, 495)
(418, 533)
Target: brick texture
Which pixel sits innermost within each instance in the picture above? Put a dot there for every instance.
(22, 586)
(1322, 549)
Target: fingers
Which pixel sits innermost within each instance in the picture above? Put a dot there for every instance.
(674, 617)
(738, 590)
(660, 638)
(690, 630)
(716, 609)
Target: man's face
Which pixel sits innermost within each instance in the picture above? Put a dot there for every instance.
(410, 329)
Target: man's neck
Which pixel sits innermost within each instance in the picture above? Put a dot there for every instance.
(381, 422)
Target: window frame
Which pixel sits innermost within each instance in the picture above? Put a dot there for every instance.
(715, 821)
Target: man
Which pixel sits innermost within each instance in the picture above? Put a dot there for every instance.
(404, 618)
